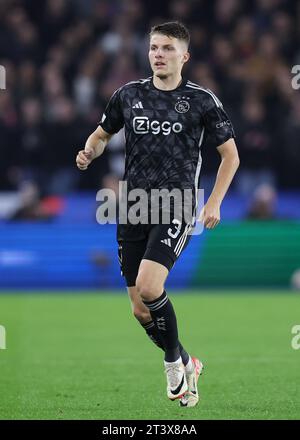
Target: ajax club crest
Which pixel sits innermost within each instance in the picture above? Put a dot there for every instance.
(182, 106)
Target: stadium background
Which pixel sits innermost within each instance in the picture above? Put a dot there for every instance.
(63, 60)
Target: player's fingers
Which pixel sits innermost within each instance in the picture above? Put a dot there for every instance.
(88, 154)
(81, 164)
(82, 167)
(214, 223)
(83, 156)
(210, 222)
(82, 160)
(207, 221)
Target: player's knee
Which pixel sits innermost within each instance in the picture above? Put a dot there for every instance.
(147, 289)
(141, 315)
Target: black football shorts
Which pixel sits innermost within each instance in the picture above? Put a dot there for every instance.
(162, 243)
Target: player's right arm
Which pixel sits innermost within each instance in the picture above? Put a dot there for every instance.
(112, 121)
(94, 147)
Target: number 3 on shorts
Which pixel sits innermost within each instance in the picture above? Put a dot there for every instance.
(174, 234)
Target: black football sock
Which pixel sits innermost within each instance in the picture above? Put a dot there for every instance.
(164, 317)
(184, 355)
(153, 333)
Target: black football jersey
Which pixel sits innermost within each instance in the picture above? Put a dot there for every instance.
(165, 131)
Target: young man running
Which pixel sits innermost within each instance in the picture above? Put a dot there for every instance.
(167, 119)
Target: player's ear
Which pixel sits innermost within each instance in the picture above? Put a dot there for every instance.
(186, 57)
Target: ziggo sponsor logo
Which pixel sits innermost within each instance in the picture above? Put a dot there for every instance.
(142, 125)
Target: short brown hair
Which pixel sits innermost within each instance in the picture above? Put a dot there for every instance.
(173, 29)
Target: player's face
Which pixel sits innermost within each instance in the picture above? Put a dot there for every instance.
(167, 55)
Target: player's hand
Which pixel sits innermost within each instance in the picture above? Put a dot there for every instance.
(210, 214)
(83, 159)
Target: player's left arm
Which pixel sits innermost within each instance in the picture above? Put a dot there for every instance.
(210, 214)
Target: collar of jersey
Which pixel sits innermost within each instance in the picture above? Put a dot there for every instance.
(180, 87)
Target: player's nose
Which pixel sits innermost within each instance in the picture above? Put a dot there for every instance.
(158, 53)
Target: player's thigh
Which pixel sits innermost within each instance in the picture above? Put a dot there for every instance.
(167, 241)
(130, 255)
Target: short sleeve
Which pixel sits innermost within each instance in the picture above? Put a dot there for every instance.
(112, 119)
(217, 124)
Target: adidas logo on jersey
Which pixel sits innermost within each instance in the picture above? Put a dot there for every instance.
(138, 105)
(167, 241)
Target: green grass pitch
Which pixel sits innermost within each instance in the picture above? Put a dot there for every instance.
(83, 356)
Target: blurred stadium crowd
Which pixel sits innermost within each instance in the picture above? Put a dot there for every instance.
(64, 59)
